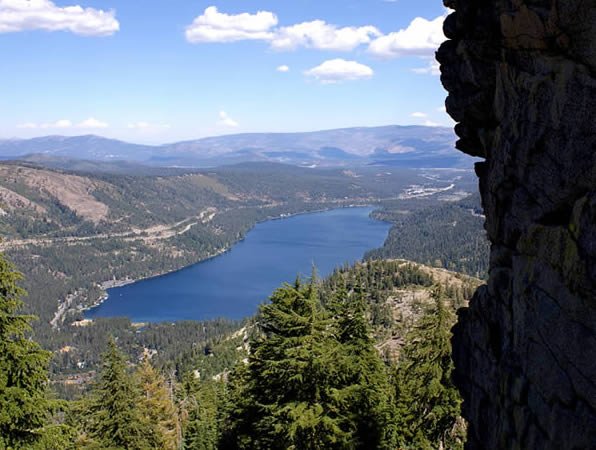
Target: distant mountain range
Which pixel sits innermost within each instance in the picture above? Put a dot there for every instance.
(401, 146)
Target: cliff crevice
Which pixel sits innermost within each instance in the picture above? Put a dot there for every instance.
(521, 76)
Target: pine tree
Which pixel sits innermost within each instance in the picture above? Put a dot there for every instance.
(428, 403)
(364, 390)
(290, 377)
(240, 411)
(25, 408)
(114, 419)
(204, 405)
(157, 407)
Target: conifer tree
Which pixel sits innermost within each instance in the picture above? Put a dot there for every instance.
(290, 376)
(363, 391)
(157, 407)
(25, 408)
(428, 403)
(114, 419)
(240, 411)
(204, 405)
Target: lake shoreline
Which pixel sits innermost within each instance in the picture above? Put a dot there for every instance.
(110, 284)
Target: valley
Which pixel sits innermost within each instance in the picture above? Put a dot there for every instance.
(179, 266)
(82, 229)
(380, 237)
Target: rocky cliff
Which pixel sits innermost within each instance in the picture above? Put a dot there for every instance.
(521, 76)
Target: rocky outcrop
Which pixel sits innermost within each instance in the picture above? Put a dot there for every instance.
(521, 76)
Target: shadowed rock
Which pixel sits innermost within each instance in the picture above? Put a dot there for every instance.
(521, 76)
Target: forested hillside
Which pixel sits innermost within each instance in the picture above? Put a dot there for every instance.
(450, 235)
(360, 359)
(69, 232)
(74, 234)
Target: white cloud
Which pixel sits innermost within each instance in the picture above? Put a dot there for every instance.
(226, 121)
(213, 26)
(337, 70)
(283, 68)
(421, 38)
(148, 127)
(323, 36)
(442, 109)
(419, 115)
(433, 68)
(64, 123)
(22, 15)
(92, 123)
(429, 123)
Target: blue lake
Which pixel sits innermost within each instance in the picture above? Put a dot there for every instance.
(233, 284)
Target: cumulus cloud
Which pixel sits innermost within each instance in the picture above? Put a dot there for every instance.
(419, 115)
(213, 26)
(283, 68)
(23, 15)
(323, 36)
(92, 123)
(433, 68)
(27, 125)
(421, 38)
(225, 120)
(338, 70)
(64, 123)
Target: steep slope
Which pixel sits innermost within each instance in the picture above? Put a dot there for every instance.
(522, 82)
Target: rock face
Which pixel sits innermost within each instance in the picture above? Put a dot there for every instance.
(521, 76)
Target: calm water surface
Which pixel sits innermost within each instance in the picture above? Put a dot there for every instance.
(234, 283)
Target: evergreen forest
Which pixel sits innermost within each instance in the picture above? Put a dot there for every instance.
(358, 360)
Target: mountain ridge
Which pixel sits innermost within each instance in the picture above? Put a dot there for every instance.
(394, 145)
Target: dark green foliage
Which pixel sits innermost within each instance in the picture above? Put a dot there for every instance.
(177, 344)
(364, 397)
(309, 384)
(314, 379)
(289, 375)
(113, 417)
(448, 235)
(204, 405)
(428, 404)
(25, 409)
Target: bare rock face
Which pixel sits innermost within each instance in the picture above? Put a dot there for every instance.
(521, 76)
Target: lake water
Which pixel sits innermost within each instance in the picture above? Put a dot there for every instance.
(233, 284)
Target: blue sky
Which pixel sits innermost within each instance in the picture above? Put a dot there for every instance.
(159, 71)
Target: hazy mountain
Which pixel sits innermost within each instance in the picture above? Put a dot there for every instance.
(79, 147)
(402, 146)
